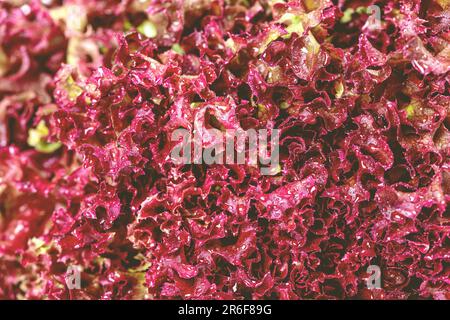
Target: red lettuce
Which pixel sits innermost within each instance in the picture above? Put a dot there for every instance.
(91, 92)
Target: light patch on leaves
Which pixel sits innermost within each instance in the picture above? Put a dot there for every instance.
(36, 139)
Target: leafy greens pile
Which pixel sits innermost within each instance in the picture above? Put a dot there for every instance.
(90, 92)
